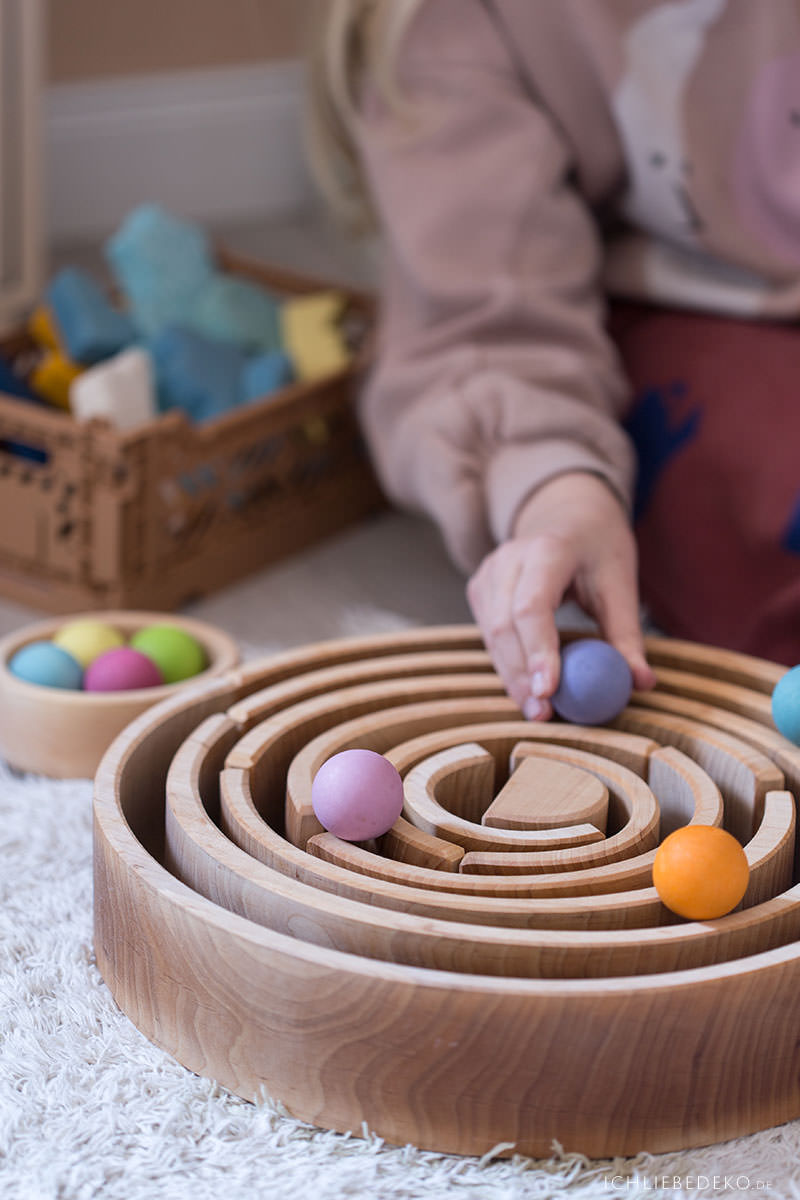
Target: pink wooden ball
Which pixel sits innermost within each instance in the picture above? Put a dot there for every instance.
(357, 795)
(121, 670)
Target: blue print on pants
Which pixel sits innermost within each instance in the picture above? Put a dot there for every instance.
(791, 534)
(658, 437)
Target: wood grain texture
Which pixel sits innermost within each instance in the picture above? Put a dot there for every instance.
(454, 771)
(765, 738)
(405, 843)
(544, 794)
(743, 774)
(459, 1013)
(242, 883)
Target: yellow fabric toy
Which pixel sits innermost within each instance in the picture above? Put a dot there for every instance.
(52, 376)
(312, 337)
(42, 328)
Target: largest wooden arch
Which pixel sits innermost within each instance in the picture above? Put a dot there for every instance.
(457, 985)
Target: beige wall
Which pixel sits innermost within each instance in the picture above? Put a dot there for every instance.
(91, 39)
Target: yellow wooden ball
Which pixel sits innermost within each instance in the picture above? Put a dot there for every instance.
(86, 640)
(700, 872)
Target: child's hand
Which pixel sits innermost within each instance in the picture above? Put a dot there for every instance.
(572, 535)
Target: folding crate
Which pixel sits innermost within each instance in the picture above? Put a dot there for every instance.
(91, 518)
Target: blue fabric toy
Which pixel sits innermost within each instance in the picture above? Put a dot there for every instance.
(90, 329)
(196, 374)
(265, 374)
(161, 264)
(165, 267)
(238, 311)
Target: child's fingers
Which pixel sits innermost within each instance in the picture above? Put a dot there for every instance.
(514, 597)
(511, 597)
(489, 592)
(616, 607)
(546, 574)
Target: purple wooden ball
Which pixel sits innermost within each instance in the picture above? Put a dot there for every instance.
(357, 795)
(121, 670)
(595, 685)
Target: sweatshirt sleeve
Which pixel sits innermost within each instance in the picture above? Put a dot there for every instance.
(494, 372)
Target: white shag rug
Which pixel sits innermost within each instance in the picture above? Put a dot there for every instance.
(89, 1109)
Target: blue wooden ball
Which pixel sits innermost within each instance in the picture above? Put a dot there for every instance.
(786, 705)
(595, 685)
(47, 665)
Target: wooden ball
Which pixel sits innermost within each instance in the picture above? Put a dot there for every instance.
(86, 640)
(122, 669)
(357, 795)
(175, 652)
(47, 665)
(595, 683)
(786, 705)
(700, 872)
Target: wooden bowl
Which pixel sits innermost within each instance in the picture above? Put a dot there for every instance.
(455, 985)
(64, 734)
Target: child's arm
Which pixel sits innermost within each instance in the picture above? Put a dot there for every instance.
(497, 392)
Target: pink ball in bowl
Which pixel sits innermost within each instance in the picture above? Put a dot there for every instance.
(357, 795)
(121, 670)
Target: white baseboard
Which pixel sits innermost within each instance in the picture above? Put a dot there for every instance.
(211, 145)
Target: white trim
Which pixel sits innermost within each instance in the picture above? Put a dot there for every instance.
(211, 145)
(21, 258)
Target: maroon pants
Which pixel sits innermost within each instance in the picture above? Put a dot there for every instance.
(716, 424)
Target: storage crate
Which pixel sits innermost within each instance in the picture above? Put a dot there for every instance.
(92, 518)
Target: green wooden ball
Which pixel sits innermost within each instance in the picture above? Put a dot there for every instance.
(175, 652)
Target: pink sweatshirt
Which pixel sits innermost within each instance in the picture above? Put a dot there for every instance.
(554, 152)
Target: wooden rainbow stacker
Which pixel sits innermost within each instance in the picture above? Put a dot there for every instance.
(498, 968)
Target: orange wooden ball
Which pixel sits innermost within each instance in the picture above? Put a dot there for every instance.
(700, 872)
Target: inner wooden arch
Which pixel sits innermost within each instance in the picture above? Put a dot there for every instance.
(454, 771)
(635, 810)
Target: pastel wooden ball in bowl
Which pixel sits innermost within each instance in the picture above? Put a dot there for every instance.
(69, 685)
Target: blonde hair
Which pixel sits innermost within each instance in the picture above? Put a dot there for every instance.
(351, 39)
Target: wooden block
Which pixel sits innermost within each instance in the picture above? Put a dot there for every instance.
(545, 794)
(633, 812)
(685, 793)
(462, 782)
(765, 738)
(304, 684)
(407, 844)
(743, 774)
(733, 697)
(623, 910)
(423, 785)
(710, 663)
(770, 854)
(627, 749)
(359, 858)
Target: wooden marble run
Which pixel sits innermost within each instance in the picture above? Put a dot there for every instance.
(496, 968)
